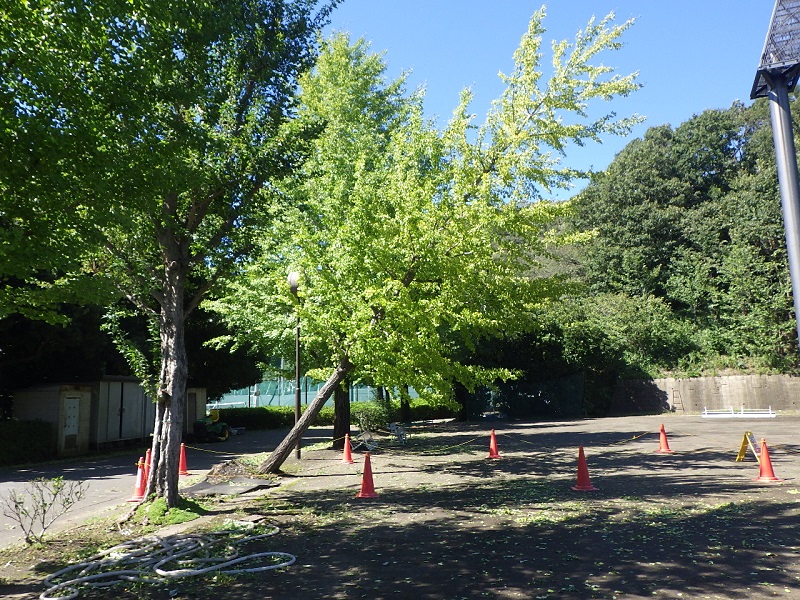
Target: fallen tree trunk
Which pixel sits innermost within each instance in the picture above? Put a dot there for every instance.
(272, 464)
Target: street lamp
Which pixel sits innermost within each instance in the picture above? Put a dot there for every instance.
(294, 282)
(777, 75)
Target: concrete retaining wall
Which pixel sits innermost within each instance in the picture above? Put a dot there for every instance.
(781, 392)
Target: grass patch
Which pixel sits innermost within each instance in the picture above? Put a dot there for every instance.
(156, 512)
(326, 445)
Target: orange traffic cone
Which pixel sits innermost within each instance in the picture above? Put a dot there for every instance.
(182, 461)
(367, 487)
(138, 491)
(347, 456)
(663, 443)
(583, 484)
(493, 453)
(765, 472)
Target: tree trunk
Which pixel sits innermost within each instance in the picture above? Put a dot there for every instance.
(461, 395)
(272, 464)
(170, 406)
(341, 414)
(405, 405)
(171, 393)
(383, 399)
(155, 448)
(380, 396)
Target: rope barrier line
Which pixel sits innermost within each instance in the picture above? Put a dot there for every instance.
(508, 435)
(146, 560)
(445, 448)
(354, 441)
(518, 437)
(783, 448)
(237, 453)
(634, 438)
(207, 450)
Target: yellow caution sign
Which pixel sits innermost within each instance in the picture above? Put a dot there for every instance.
(748, 440)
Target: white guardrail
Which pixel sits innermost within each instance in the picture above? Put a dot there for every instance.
(211, 405)
(742, 413)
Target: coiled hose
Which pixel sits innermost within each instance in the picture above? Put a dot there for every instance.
(153, 559)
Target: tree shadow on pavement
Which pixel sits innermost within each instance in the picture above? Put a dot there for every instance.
(536, 540)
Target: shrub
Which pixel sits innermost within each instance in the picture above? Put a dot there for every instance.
(424, 411)
(262, 417)
(26, 441)
(325, 417)
(270, 417)
(369, 415)
(43, 501)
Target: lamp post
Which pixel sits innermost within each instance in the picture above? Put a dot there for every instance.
(294, 281)
(777, 75)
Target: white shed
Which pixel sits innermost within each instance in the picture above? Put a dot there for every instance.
(120, 411)
(101, 413)
(66, 407)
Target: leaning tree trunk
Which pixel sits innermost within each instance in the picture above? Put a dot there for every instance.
(272, 464)
(341, 414)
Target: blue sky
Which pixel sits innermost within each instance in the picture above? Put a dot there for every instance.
(691, 55)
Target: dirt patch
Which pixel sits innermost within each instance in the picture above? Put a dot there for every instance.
(228, 470)
(450, 523)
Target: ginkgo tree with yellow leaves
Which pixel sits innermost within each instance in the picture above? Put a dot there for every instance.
(413, 241)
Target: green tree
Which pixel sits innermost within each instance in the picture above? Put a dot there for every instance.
(147, 138)
(643, 207)
(411, 241)
(691, 216)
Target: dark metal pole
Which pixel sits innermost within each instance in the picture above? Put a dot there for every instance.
(293, 279)
(786, 160)
(297, 381)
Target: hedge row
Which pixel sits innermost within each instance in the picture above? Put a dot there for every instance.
(269, 417)
(26, 442)
(371, 414)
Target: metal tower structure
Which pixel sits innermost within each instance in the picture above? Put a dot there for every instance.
(776, 76)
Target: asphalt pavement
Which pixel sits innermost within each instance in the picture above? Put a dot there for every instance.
(111, 478)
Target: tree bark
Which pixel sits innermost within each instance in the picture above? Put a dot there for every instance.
(171, 393)
(273, 463)
(172, 401)
(155, 450)
(384, 399)
(341, 414)
(461, 395)
(405, 405)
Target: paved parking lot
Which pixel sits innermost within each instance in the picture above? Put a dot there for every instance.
(702, 446)
(449, 522)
